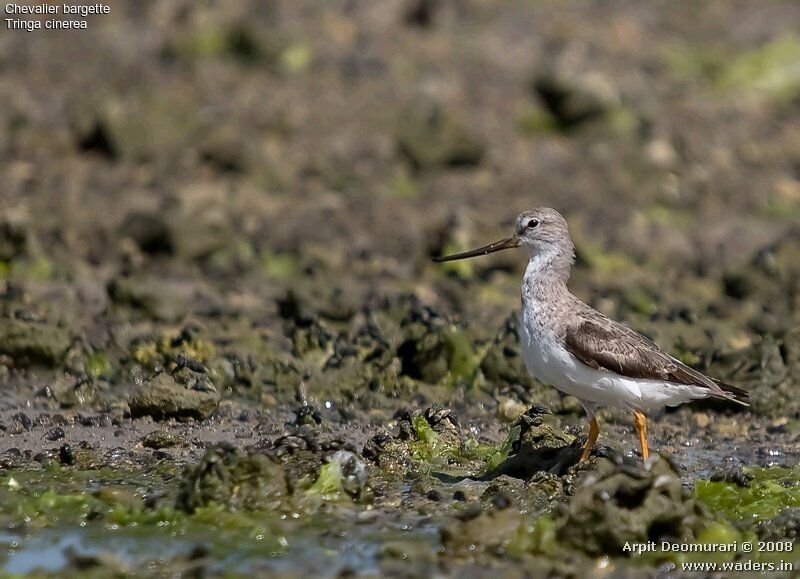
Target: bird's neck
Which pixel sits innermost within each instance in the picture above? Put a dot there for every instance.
(546, 276)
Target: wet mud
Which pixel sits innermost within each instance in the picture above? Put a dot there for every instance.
(224, 349)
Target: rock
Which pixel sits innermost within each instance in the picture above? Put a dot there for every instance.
(307, 415)
(510, 409)
(619, 505)
(423, 436)
(15, 237)
(163, 438)
(421, 13)
(661, 153)
(72, 392)
(186, 349)
(541, 446)
(571, 405)
(81, 456)
(91, 136)
(166, 300)
(734, 474)
(235, 479)
(54, 434)
(572, 100)
(12, 459)
(34, 343)
(763, 372)
(701, 419)
(191, 226)
(149, 230)
(491, 530)
(100, 564)
(433, 354)
(435, 495)
(308, 455)
(344, 473)
(503, 360)
(772, 277)
(20, 423)
(165, 397)
(223, 149)
(240, 32)
(354, 472)
(784, 527)
(435, 138)
(201, 223)
(142, 126)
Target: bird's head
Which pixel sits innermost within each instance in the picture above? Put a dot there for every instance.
(542, 230)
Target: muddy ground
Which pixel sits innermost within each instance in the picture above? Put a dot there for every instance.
(224, 348)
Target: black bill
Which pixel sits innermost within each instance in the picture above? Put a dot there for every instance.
(507, 243)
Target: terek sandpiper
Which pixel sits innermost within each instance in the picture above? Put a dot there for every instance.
(569, 345)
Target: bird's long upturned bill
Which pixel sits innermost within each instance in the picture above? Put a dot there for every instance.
(507, 243)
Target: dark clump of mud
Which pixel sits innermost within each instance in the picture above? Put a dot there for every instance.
(224, 349)
(235, 479)
(183, 395)
(617, 506)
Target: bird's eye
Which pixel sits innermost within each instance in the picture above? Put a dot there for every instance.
(533, 223)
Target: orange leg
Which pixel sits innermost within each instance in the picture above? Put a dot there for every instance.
(594, 432)
(640, 420)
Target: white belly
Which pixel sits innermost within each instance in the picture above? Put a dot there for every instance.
(549, 362)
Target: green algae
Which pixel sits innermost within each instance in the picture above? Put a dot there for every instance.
(34, 269)
(639, 300)
(427, 445)
(713, 534)
(449, 449)
(538, 536)
(534, 121)
(98, 365)
(280, 266)
(769, 70)
(145, 353)
(68, 499)
(462, 359)
(442, 356)
(770, 492)
(295, 58)
(500, 455)
(139, 515)
(603, 260)
(164, 349)
(63, 496)
(403, 186)
(328, 485)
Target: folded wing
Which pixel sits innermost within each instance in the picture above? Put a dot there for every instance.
(607, 345)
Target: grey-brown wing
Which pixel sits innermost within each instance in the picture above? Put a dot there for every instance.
(607, 345)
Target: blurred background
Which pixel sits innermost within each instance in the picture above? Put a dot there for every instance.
(205, 160)
(216, 225)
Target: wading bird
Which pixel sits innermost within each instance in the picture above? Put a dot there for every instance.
(569, 345)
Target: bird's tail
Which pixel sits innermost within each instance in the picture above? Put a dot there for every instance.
(733, 393)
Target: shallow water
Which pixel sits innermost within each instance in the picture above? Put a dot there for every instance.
(315, 549)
